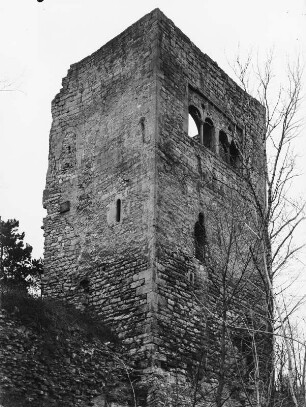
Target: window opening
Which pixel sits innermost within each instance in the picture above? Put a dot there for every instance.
(245, 347)
(84, 284)
(118, 210)
(142, 127)
(200, 238)
(208, 129)
(190, 276)
(223, 146)
(234, 155)
(194, 122)
(84, 292)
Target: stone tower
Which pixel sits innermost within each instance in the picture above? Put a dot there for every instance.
(151, 226)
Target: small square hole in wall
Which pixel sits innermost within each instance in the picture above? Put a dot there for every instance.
(102, 267)
(64, 207)
(84, 284)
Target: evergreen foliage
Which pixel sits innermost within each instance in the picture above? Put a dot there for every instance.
(17, 268)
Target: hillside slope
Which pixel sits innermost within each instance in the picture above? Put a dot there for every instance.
(54, 355)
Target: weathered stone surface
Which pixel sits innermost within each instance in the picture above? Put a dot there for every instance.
(44, 366)
(136, 182)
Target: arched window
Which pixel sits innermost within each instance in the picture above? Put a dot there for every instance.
(234, 155)
(194, 122)
(118, 210)
(223, 146)
(208, 133)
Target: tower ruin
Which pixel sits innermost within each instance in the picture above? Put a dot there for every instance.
(156, 228)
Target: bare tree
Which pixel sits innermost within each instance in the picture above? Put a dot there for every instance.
(280, 215)
(267, 218)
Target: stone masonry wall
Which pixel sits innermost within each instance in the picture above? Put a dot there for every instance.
(101, 157)
(51, 358)
(192, 178)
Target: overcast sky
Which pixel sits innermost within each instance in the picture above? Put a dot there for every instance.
(40, 40)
